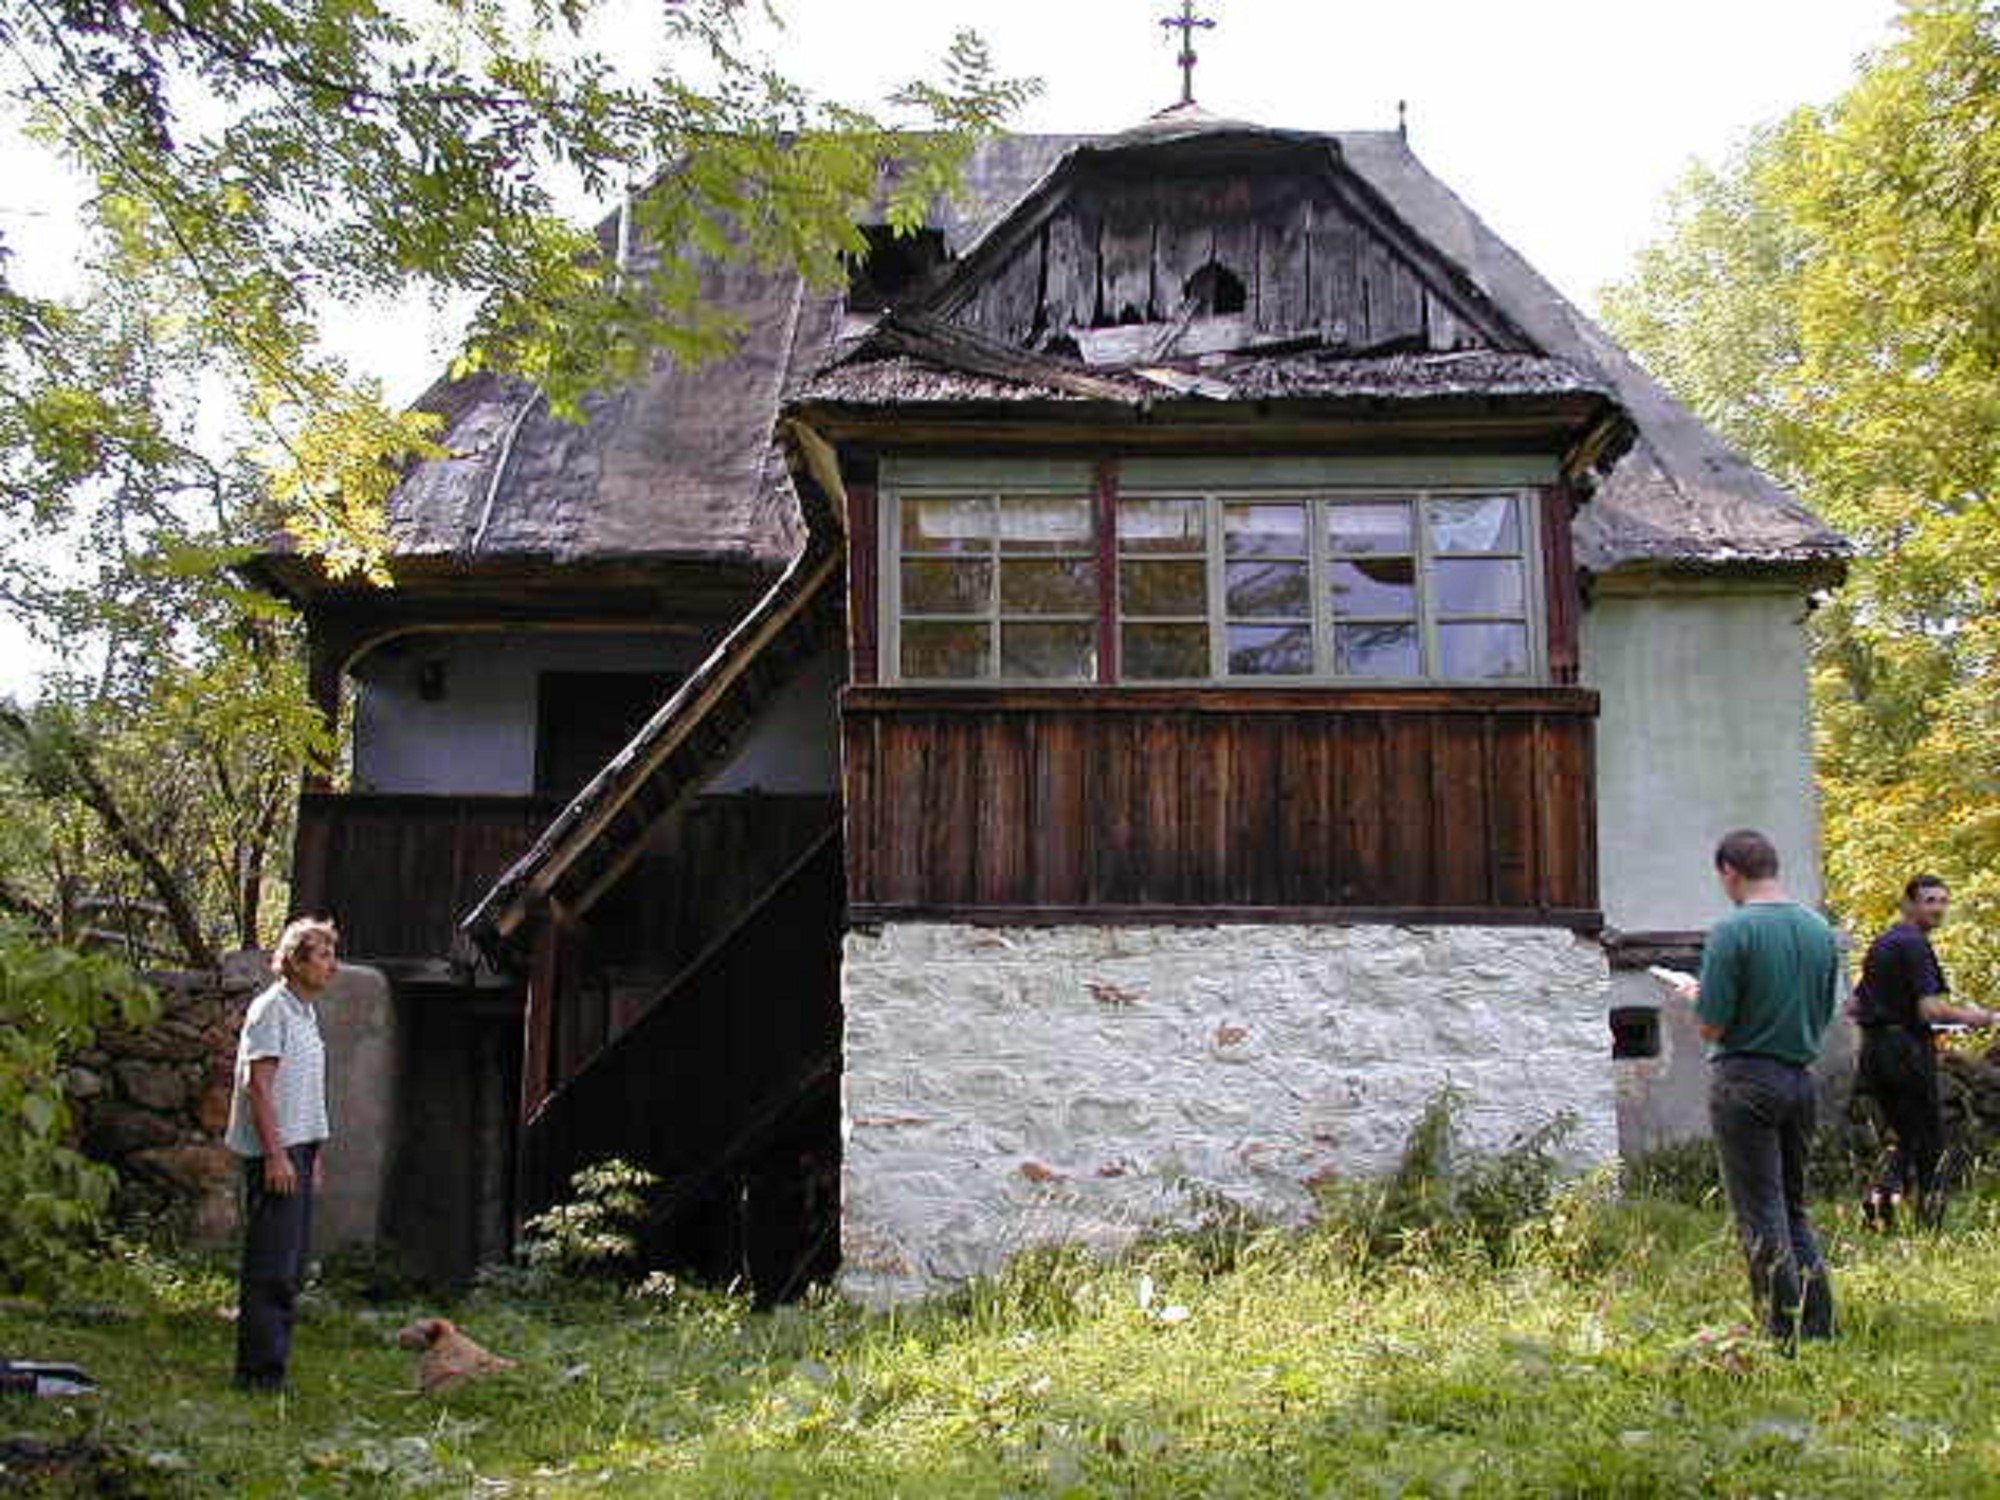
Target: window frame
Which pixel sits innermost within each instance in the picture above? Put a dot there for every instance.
(995, 616)
(1057, 482)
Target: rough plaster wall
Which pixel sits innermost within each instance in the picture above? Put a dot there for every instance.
(357, 1020)
(1705, 727)
(795, 747)
(479, 738)
(1010, 1086)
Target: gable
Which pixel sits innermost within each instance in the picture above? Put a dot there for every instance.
(1277, 247)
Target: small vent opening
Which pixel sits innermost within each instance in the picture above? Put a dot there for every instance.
(1215, 290)
(892, 266)
(1635, 1031)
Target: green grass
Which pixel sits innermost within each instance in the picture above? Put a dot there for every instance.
(1598, 1359)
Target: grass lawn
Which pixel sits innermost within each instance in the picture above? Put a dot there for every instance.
(1599, 1359)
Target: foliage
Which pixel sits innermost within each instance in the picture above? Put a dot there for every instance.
(596, 1232)
(1828, 299)
(1442, 1194)
(1304, 1370)
(254, 170)
(1684, 1171)
(52, 1000)
(253, 163)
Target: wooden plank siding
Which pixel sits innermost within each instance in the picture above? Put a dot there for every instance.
(399, 872)
(1220, 804)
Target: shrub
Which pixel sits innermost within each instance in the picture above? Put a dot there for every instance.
(52, 1198)
(1443, 1199)
(1679, 1172)
(595, 1233)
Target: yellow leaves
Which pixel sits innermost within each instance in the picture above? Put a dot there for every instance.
(333, 475)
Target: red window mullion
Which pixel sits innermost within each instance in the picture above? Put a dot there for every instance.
(1105, 529)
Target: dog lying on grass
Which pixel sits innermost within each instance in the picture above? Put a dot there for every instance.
(448, 1356)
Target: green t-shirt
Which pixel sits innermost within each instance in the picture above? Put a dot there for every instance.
(1770, 978)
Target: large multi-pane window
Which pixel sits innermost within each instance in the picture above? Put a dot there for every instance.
(1339, 585)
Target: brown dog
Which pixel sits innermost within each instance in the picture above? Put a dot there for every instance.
(448, 1355)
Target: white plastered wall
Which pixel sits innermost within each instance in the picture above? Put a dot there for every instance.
(1705, 726)
(1012, 1086)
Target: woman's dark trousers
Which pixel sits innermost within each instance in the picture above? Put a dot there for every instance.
(1761, 1111)
(1899, 1072)
(277, 1230)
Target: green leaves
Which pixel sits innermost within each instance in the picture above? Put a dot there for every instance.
(1831, 300)
(52, 1000)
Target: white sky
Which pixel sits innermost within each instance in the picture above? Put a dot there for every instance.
(1562, 122)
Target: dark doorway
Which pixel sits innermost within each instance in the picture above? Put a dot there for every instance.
(582, 719)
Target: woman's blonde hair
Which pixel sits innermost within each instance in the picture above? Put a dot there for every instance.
(301, 933)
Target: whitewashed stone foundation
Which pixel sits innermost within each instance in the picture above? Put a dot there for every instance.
(1012, 1086)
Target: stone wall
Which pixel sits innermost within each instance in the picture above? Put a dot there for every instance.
(153, 1102)
(1012, 1086)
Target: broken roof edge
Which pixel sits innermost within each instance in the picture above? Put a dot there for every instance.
(1471, 300)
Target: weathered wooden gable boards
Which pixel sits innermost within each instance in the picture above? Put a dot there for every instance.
(1126, 251)
(1064, 806)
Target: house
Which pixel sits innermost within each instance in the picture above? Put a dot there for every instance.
(1190, 654)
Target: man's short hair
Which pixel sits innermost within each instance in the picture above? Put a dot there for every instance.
(1748, 853)
(1916, 885)
(300, 933)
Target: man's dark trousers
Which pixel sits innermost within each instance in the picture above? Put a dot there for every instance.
(277, 1232)
(1761, 1110)
(1899, 1072)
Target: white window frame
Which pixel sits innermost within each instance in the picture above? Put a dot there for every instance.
(1395, 480)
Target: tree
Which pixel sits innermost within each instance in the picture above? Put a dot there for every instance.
(1830, 299)
(254, 159)
(253, 165)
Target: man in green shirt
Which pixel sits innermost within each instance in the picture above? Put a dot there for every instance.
(1770, 983)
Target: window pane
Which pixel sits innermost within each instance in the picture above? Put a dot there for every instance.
(1161, 526)
(1264, 530)
(1048, 651)
(1163, 588)
(1154, 651)
(1478, 587)
(1474, 523)
(947, 588)
(958, 525)
(1376, 651)
(1268, 588)
(937, 649)
(1368, 526)
(1270, 650)
(1376, 587)
(1483, 650)
(1065, 586)
(1044, 525)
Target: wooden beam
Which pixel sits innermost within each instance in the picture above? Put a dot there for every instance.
(1230, 701)
(1576, 919)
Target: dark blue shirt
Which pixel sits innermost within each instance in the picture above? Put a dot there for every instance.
(1901, 968)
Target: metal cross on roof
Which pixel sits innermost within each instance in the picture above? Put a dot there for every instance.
(1186, 22)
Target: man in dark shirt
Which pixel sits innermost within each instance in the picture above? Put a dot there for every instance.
(1770, 982)
(1902, 994)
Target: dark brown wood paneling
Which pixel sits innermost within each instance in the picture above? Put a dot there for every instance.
(1055, 804)
(1560, 582)
(399, 872)
(864, 568)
